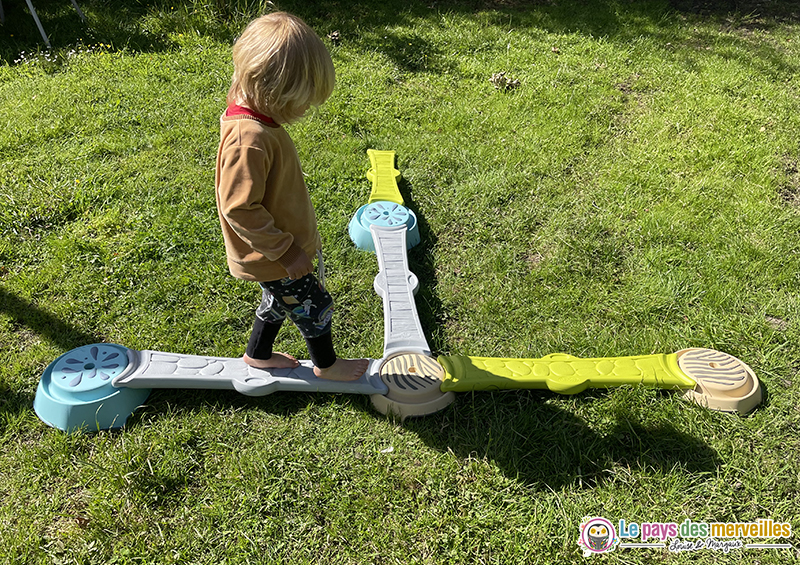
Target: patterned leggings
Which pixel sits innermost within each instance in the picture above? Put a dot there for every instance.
(307, 304)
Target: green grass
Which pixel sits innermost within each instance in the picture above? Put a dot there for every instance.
(637, 193)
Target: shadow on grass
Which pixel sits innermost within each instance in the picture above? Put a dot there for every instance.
(43, 323)
(420, 262)
(26, 317)
(13, 402)
(780, 10)
(540, 444)
(116, 23)
(164, 401)
(385, 26)
(389, 27)
(529, 440)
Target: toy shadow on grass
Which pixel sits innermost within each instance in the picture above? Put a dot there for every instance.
(163, 402)
(421, 263)
(528, 439)
(539, 444)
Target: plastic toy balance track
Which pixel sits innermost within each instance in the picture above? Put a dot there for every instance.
(713, 379)
(710, 378)
(98, 386)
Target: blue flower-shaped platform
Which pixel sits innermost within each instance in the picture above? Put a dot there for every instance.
(76, 390)
(383, 214)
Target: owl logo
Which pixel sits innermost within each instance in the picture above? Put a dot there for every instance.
(597, 535)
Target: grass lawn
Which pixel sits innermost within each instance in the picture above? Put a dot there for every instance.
(638, 192)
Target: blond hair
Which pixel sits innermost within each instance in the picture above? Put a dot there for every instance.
(281, 67)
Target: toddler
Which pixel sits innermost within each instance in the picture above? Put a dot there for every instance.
(281, 68)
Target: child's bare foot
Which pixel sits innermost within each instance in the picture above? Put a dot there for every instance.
(277, 361)
(343, 370)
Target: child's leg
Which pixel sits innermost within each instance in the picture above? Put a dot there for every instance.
(266, 325)
(310, 307)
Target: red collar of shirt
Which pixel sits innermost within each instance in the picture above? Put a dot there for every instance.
(236, 110)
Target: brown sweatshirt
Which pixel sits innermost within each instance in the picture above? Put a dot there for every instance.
(264, 207)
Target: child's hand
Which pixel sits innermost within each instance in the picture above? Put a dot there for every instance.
(301, 267)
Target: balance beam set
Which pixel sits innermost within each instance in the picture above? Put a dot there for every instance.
(98, 386)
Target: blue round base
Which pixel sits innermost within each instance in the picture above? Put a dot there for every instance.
(382, 213)
(76, 390)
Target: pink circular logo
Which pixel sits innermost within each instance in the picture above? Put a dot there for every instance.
(598, 535)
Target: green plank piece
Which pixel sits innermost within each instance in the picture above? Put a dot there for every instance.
(562, 373)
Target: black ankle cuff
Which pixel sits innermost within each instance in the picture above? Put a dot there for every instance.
(261, 339)
(321, 350)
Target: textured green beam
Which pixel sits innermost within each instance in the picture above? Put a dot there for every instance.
(562, 373)
(384, 177)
